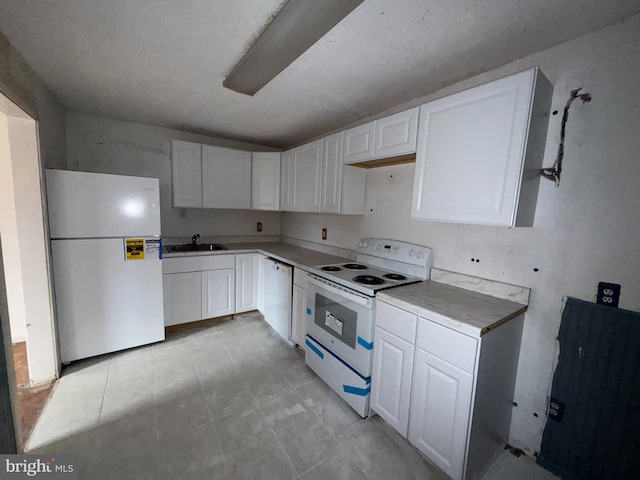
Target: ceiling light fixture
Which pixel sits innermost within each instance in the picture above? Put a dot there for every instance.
(298, 25)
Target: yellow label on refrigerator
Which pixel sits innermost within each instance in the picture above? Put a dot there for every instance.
(135, 248)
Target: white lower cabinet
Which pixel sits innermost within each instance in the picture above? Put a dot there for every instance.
(218, 293)
(299, 307)
(440, 406)
(246, 282)
(392, 371)
(198, 287)
(182, 298)
(440, 388)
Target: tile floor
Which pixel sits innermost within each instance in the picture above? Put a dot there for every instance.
(227, 401)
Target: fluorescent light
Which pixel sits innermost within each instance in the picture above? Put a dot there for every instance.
(297, 26)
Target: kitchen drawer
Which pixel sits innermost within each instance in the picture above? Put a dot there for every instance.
(446, 344)
(396, 321)
(197, 263)
(300, 277)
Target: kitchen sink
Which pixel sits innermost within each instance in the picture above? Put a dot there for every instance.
(203, 247)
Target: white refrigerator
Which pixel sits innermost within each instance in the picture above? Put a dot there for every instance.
(107, 261)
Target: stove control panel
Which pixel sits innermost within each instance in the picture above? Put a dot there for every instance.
(394, 250)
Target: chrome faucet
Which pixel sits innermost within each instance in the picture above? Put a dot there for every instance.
(194, 239)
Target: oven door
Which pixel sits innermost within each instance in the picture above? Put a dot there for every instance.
(343, 323)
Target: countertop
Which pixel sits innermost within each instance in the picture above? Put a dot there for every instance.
(468, 312)
(293, 255)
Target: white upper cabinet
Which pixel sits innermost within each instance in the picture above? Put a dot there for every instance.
(265, 181)
(332, 174)
(358, 143)
(286, 187)
(186, 174)
(306, 177)
(480, 152)
(226, 178)
(396, 134)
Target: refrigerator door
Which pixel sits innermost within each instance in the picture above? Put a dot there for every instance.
(105, 303)
(90, 205)
(278, 287)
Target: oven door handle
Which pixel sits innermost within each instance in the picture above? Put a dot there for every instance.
(341, 291)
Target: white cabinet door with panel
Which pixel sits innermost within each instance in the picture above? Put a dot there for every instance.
(358, 143)
(182, 298)
(265, 180)
(226, 178)
(307, 177)
(480, 152)
(299, 306)
(186, 174)
(298, 315)
(391, 379)
(286, 181)
(332, 174)
(396, 134)
(440, 408)
(246, 282)
(218, 292)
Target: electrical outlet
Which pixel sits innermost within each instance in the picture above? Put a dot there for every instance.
(556, 409)
(324, 233)
(608, 294)
(259, 227)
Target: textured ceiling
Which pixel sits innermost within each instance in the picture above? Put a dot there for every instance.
(162, 62)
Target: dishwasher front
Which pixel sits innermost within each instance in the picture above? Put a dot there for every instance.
(277, 288)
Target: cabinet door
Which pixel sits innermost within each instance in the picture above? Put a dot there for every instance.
(470, 155)
(186, 174)
(246, 282)
(440, 406)
(265, 181)
(391, 379)
(332, 174)
(218, 292)
(286, 182)
(396, 134)
(182, 298)
(358, 143)
(306, 177)
(298, 312)
(226, 178)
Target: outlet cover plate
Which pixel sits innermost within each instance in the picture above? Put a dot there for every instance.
(608, 294)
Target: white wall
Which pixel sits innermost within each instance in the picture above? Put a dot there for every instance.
(98, 144)
(19, 83)
(10, 241)
(585, 231)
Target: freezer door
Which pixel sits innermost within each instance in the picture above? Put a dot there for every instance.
(105, 303)
(89, 205)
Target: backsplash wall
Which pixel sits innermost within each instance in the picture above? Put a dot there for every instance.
(585, 231)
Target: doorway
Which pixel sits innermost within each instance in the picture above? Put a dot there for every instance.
(28, 320)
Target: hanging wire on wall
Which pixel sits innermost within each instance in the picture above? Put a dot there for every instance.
(553, 173)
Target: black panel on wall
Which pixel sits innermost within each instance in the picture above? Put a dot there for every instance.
(593, 428)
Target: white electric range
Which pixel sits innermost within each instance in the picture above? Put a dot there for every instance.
(340, 312)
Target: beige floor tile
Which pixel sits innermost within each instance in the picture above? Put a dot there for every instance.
(190, 453)
(337, 467)
(242, 429)
(284, 409)
(180, 415)
(263, 460)
(307, 442)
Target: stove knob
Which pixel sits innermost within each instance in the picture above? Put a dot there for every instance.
(412, 252)
(360, 245)
(420, 254)
(365, 244)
